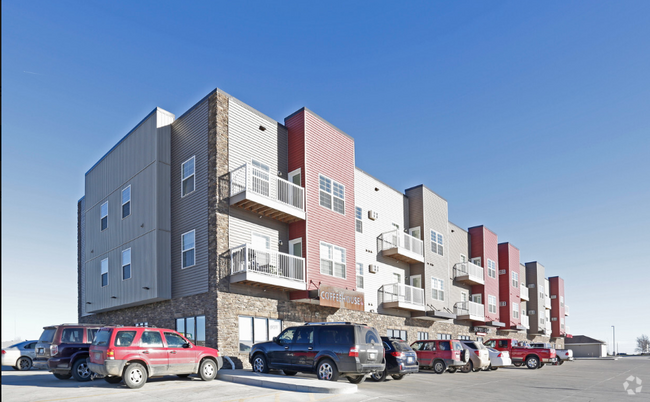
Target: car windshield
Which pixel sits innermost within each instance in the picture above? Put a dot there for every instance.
(402, 346)
(47, 335)
(103, 337)
(457, 346)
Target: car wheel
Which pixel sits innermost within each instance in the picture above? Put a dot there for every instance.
(452, 369)
(24, 363)
(289, 372)
(113, 380)
(259, 364)
(493, 368)
(541, 365)
(488, 367)
(439, 367)
(561, 362)
(467, 368)
(532, 362)
(397, 376)
(62, 376)
(208, 370)
(517, 364)
(80, 370)
(379, 376)
(356, 379)
(135, 375)
(327, 371)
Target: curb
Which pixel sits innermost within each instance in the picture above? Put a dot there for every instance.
(285, 383)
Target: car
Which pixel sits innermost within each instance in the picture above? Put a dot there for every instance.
(329, 349)
(533, 358)
(400, 360)
(20, 355)
(135, 354)
(479, 357)
(498, 359)
(440, 355)
(64, 349)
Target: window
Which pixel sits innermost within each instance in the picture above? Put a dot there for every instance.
(437, 289)
(444, 336)
(477, 298)
(103, 222)
(515, 310)
(423, 336)
(173, 340)
(463, 258)
(151, 339)
(359, 216)
(436, 242)
(397, 333)
(187, 249)
(124, 338)
(104, 272)
(187, 177)
(193, 328)
(254, 330)
(332, 194)
(261, 178)
(359, 275)
(304, 336)
(126, 264)
(397, 278)
(126, 202)
(492, 268)
(72, 335)
(463, 337)
(492, 304)
(332, 260)
(515, 280)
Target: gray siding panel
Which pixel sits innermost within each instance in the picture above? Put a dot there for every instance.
(458, 244)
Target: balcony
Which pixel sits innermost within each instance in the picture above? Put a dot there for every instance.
(262, 193)
(524, 321)
(547, 302)
(469, 273)
(523, 292)
(398, 295)
(401, 246)
(566, 310)
(267, 268)
(470, 311)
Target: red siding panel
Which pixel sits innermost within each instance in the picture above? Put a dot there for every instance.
(484, 244)
(556, 287)
(509, 261)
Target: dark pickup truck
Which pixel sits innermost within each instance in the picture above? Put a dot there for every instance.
(66, 352)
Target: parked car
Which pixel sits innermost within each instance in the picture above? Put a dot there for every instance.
(20, 355)
(498, 358)
(533, 357)
(64, 348)
(330, 349)
(135, 354)
(441, 355)
(400, 360)
(479, 357)
(563, 355)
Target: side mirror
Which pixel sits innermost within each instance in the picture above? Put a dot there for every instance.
(275, 339)
(186, 345)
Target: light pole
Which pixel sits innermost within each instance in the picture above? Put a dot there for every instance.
(614, 334)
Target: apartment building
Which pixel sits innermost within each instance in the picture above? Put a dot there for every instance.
(230, 226)
(559, 309)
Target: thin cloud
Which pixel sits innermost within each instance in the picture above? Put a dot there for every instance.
(31, 72)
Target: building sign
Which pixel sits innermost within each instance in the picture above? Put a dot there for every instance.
(481, 330)
(340, 298)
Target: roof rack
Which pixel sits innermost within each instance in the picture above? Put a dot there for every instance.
(81, 324)
(330, 323)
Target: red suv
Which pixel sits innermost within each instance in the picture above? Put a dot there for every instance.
(441, 355)
(134, 354)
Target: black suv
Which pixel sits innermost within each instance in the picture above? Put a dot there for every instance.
(400, 360)
(330, 349)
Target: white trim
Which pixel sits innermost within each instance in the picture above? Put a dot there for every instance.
(293, 173)
(124, 203)
(489, 299)
(193, 248)
(418, 229)
(101, 273)
(294, 242)
(332, 181)
(414, 277)
(438, 288)
(488, 268)
(334, 262)
(193, 175)
(124, 265)
(101, 217)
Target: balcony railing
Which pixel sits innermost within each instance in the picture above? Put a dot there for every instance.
(525, 321)
(254, 188)
(470, 311)
(523, 292)
(248, 264)
(401, 246)
(566, 310)
(547, 302)
(469, 273)
(398, 295)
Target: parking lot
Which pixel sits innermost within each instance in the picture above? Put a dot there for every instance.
(583, 380)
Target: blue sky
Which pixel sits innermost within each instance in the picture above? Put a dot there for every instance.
(530, 118)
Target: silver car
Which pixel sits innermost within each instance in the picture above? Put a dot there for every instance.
(19, 356)
(479, 357)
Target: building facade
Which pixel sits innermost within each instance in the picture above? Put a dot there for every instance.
(230, 226)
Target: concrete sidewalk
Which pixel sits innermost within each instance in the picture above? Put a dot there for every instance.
(286, 383)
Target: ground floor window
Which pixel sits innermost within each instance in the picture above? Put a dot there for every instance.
(444, 336)
(254, 330)
(423, 336)
(463, 337)
(397, 333)
(193, 328)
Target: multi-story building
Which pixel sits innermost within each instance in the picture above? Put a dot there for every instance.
(559, 309)
(229, 226)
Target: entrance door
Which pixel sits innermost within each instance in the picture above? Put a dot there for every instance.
(296, 177)
(477, 298)
(295, 266)
(476, 261)
(415, 232)
(416, 281)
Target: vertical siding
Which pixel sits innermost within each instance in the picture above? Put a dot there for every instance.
(416, 218)
(523, 306)
(556, 285)
(508, 261)
(81, 244)
(458, 244)
(484, 244)
(436, 266)
(535, 276)
(296, 160)
(189, 137)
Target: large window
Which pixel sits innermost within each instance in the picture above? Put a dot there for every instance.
(397, 333)
(126, 264)
(515, 310)
(359, 219)
(444, 336)
(193, 328)
(332, 260)
(515, 280)
(437, 289)
(436, 242)
(187, 176)
(423, 336)
(103, 221)
(254, 330)
(463, 337)
(492, 268)
(104, 272)
(332, 194)
(126, 202)
(187, 248)
(492, 304)
(359, 275)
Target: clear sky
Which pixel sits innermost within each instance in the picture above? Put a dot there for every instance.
(532, 118)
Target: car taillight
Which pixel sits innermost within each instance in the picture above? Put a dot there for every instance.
(477, 353)
(3, 351)
(54, 350)
(399, 355)
(354, 351)
(110, 354)
(500, 355)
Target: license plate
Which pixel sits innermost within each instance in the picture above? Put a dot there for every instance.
(98, 355)
(372, 356)
(410, 360)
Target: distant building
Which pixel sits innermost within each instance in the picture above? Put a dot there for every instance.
(584, 346)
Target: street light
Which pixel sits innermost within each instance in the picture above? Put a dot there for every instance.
(614, 334)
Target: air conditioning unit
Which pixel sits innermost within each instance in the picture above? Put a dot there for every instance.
(373, 215)
(531, 312)
(554, 297)
(503, 304)
(502, 272)
(554, 319)
(373, 268)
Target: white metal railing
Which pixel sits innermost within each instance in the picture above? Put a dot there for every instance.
(524, 321)
(249, 178)
(398, 292)
(566, 310)
(523, 292)
(470, 308)
(246, 258)
(468, 268)
(547, 302)
(395, 238)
